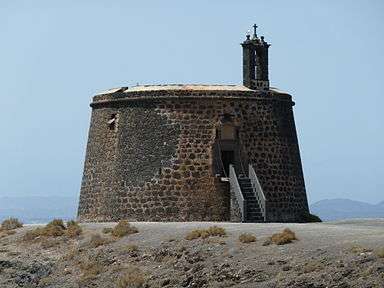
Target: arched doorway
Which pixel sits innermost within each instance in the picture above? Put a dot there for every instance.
(226, 150)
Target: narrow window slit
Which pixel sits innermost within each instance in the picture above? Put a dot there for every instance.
(112, 122)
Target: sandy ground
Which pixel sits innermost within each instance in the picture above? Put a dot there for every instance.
(331, 254)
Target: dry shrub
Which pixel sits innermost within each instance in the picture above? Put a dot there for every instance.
(132, 277)
(205, 233)
(52, 231)
(90, 269)
(49, 243)
(57, 222)
(285, 237)
(97, 240)
(194, 234)
(73, 229)
(313, 266)
(216, 231)
(123, 228)
(380, 252)
(71, 254)
(107, 230)
(10, 224)
(359, 249)
(5, 233)
(367, 272)
(33, 234)
(55, 228)
(247, 238)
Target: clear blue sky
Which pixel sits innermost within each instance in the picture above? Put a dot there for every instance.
(54, 55)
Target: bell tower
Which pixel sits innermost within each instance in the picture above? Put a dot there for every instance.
(255, 61)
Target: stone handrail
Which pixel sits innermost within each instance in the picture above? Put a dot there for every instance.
(235, 187)
(260, 196)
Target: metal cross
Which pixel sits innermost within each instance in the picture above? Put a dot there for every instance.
(254, 30)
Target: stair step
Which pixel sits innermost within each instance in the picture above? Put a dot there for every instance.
(249, 195)
(245, 183)
(247, 191)
(252, 200)
(253, 215)
(253, 210)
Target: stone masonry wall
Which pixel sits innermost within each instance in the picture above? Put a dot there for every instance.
(157, 165)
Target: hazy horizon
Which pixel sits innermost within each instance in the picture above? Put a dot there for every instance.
(56, 56)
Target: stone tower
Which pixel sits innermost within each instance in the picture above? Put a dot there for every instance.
(255, 62)
(195, 152)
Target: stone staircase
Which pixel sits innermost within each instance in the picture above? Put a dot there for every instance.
(252, 210)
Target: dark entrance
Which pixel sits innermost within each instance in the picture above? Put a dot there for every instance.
(228, 157)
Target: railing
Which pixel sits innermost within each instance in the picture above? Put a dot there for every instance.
(261, 199)
(235, 187)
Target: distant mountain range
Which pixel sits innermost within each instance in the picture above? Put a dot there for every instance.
(34, 209)
(337, 209)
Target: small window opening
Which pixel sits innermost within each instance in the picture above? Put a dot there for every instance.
(112, 122)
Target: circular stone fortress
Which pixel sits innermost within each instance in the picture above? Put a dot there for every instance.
(195, 152)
